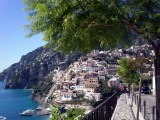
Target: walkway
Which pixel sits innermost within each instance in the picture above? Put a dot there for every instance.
(150, 102)
(123, 110)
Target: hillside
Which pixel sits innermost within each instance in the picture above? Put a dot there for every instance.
(36, 70)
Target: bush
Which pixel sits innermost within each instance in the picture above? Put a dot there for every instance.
(71, 114)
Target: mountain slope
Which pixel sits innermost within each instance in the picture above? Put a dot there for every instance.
(36, 70)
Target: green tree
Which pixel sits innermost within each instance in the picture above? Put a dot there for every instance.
(127, 71)
(56, 113)
(75, 114)
(131, 70)
(71, 114)
(104, 89)
(82, 25)
(129, 74)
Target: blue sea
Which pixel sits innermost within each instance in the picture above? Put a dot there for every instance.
(13, 102)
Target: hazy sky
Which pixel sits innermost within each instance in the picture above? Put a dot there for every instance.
(13, 43)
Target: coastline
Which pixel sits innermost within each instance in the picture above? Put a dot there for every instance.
(14, 101)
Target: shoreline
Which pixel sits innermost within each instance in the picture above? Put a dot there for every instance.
(14, 101)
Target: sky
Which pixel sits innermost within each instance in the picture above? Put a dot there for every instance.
(13, 43)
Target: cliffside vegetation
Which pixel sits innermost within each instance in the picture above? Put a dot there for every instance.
(71, 114)
(36, 70)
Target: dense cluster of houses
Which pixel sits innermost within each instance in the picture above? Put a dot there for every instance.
(83, 77)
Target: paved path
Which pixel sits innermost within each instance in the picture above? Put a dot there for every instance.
(150, 102)
(123, 110)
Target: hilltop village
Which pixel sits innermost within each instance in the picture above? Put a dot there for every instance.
(83, 82)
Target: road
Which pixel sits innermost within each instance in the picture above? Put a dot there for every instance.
(150, 102)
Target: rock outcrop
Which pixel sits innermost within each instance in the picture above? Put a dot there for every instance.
(36, 70)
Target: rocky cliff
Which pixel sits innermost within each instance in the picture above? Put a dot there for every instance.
(36, 70)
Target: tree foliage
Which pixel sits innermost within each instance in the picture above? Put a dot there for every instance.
(75, 114)
(127, 72)
(56, 113)
(71, 114)
(130, 69)
(82, 25)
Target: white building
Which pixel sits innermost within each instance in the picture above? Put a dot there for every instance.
(92, 96)
(113, 82)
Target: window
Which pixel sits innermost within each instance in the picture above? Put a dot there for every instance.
(66, 95)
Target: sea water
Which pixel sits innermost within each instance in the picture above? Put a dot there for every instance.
(14, 101)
